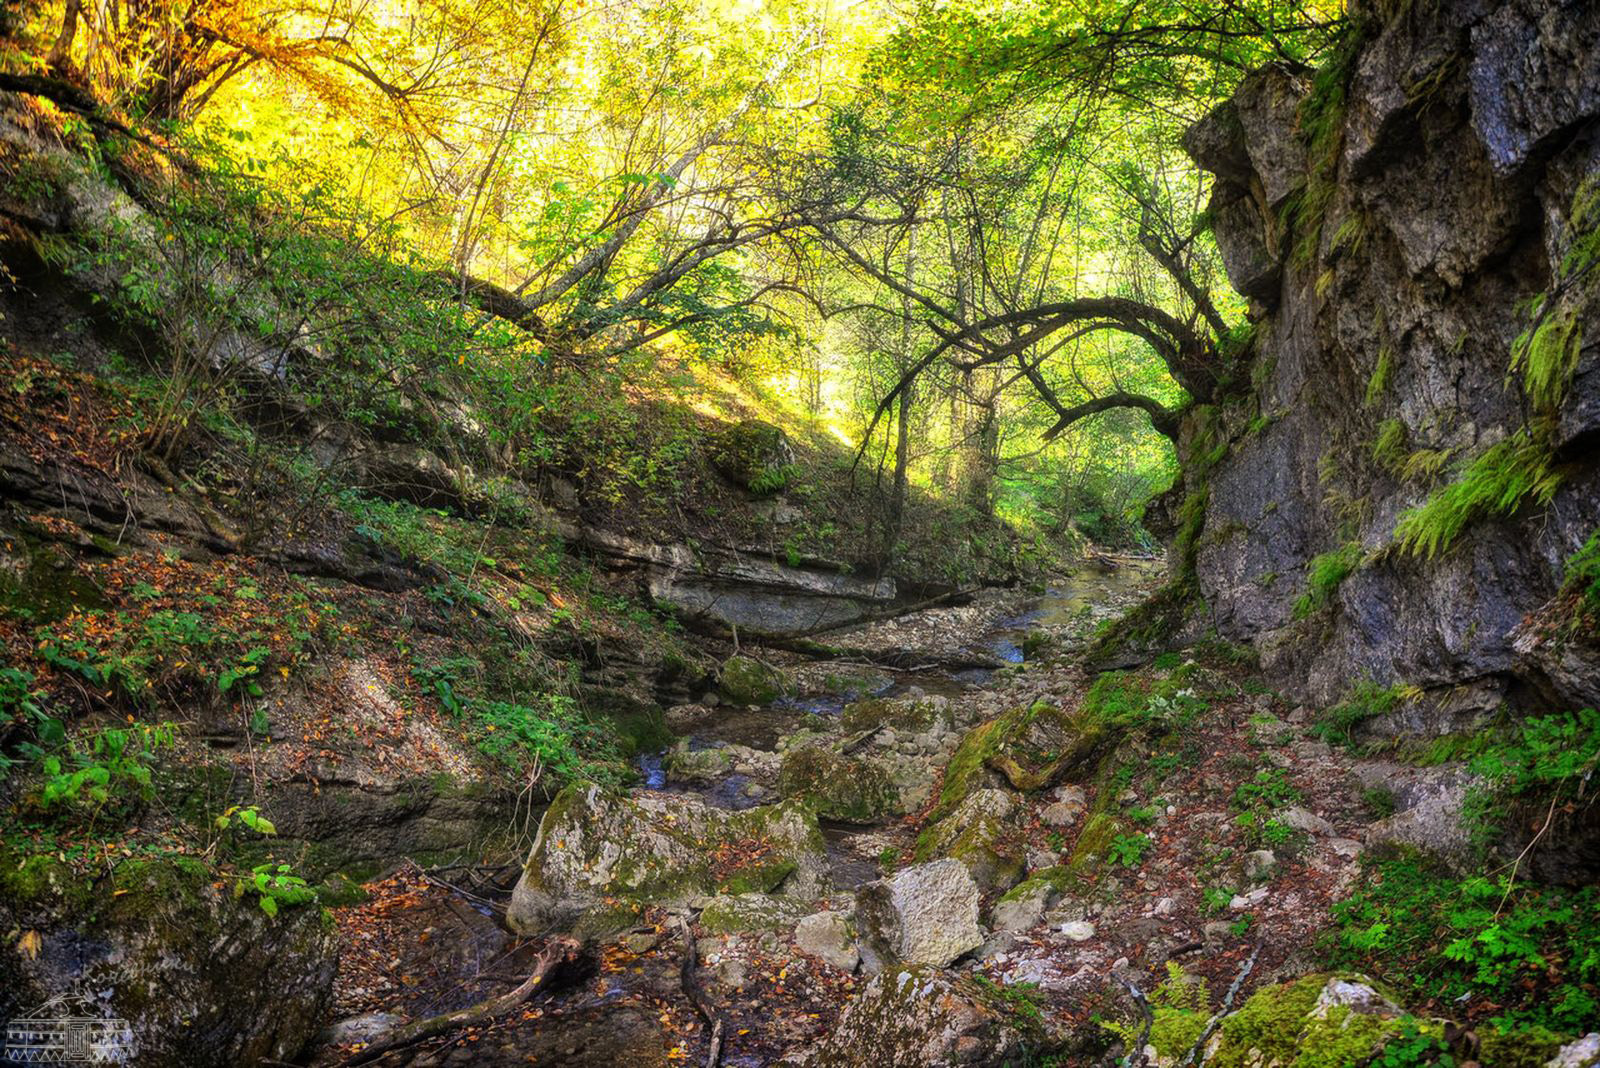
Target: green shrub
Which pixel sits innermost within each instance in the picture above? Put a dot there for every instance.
(1530, 952)
(1582, 581)
(1129, 849)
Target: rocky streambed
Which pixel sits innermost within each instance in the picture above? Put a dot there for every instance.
(985, 857)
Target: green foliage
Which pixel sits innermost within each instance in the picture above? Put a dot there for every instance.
(1389, 448)
(1547, 352)
(1021, 998)
(1367, 700)
(1382, 372)
(1129, 849)
(1412, 1047)
(246, 816)
(549, 735)
(1324, 574)
(106, 769)
(1321, 120)
(1582, 582)
(275, 887)
(1269, 789)
(1531, 952)
(1180, 1007)
(1543, 761)
(1126, 701)
(1501, 480)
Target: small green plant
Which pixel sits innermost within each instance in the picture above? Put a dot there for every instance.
(1269, 789)
(1325, 574)
(1216, 898)
(1143, 815)
(1022, 999)
(1379, 801)
(1389, 448)
(1368, 700)
(1413, 1047)
(1129, 849)
(246, 816)
(1582, 583)
(1242, 925)
(1180, 1006)
(275, 886)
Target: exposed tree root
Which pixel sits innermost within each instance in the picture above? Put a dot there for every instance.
(558, 952)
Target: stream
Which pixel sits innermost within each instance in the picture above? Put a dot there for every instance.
(451, 950)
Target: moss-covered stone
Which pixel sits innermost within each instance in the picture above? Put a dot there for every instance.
(594, 846)
(163, 943)
(697, 765)
(1319, 1021)
(1031, 748)
(1534, 1047)
(1089, 851)
(837, 787)
(746, 681)
(753, 454)
(896, 712)
(741, 913)
(976, 835)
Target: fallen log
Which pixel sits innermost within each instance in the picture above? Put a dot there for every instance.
(558, 952)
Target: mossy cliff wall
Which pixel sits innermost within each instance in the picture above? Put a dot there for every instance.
(1412, 448)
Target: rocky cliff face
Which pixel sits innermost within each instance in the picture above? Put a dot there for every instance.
(1405, 221)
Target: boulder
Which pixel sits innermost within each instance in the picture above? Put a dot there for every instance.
(740, 913)
(1584, 1053)
(185, 962)
(1024, 905)
(600, 856)
(916, 1017)
(976, 835)
(924, 914)
(752, 454)
(746, 681)
(837, 787)
(1343, 1018)
(1028, 748)
(826, 936)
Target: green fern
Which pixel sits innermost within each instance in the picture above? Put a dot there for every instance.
(1498, 482)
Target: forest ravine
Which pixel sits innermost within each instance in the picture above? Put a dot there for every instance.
(766, 533)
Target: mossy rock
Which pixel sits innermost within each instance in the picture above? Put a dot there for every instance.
(742, 913)
(1093, 844)
(898, 713)
(595, 846)
(924, 1016)
(1031, 748)
(1058, 879)
(857, 683)
(746, 681)
(697, 765)
(159, 943)
(975, 835)
(1531, 1048)
(837, 787)
(751, 453)
(1319, 1021)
